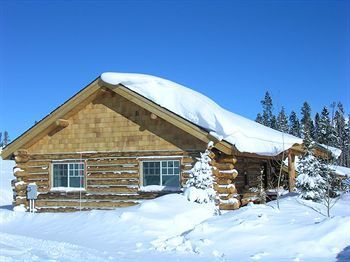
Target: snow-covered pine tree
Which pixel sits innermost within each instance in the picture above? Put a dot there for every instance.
(309, 182)
(261, 189)
(306, 121)
(294, 125)
(347, 143)
(267, 109)
(200, 185)
(282, 121)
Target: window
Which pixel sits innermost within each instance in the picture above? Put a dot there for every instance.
(162, 173)
(68, 175)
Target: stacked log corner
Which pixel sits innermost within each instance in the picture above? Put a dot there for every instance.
(225, 175)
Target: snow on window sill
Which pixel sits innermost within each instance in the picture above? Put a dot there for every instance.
(67, 189)
(155, 188)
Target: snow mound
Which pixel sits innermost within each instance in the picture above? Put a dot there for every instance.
(246, 135)
(6, 175)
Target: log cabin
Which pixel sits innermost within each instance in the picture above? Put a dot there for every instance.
(125, 138)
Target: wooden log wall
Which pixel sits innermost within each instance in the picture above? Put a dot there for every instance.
(112, 179)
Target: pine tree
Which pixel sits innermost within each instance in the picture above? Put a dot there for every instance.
(200, 185)
(340, 132)
(282, 121)
(310, 183)
(306, 121)
(294, 125)
(258, 118)
(273, 123)
(267, 110)
(327, 134)
(317, 133)
(6, 140)
(346, 148)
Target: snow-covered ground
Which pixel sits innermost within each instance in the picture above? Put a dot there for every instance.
(172, 229)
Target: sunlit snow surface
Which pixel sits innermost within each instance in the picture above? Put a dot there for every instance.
(245, 134)
(172, 229)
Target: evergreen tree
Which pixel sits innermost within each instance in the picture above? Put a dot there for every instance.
(294, 125)
(282, 121)
(346, 148)
(200, 185)
(327, 134)
(273, 123)
(310, 182)
(340, 132)
(6, 140)
(306, 121)
(267, 110)
(258, 118)
(317, 133)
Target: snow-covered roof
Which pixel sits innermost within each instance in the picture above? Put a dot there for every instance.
(341, 170)
(246, 135)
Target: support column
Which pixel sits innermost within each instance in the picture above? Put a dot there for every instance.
(291, 170)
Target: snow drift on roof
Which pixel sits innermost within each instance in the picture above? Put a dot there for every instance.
(341, 170)
(247, 135)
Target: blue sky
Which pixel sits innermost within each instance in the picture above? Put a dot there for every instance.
(232, 51)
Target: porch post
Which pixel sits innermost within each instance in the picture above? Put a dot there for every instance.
(291, 170)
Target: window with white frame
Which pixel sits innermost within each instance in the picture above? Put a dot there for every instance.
(69, 175)
(162, 173)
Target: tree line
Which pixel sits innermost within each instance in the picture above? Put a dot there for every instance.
(329, 127)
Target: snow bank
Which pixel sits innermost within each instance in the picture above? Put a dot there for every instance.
(119, 233)
(6, 175)
(246, 135)
(296, 232)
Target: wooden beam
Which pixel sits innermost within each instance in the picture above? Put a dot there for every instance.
(62, 123)
(291, 170)
(153, 116)
(21, 156)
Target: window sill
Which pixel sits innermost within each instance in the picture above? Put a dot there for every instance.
(67, 189)
(155, 188)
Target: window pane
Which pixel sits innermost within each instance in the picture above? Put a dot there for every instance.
(164, 164)
(170, 163)
(151, 173)
(76, 182)
(60, 175)
(176, 171)
(164, 171)
(151, 180)
(171, 181)
(170, 171)
(176, 163)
